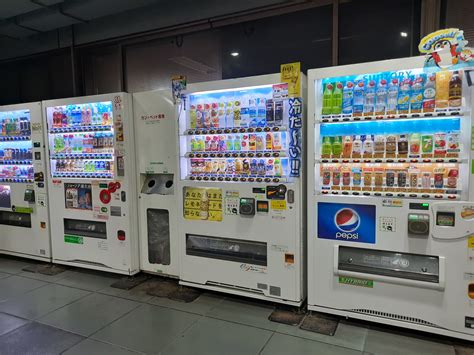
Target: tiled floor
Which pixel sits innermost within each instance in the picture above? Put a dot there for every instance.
(77, 312)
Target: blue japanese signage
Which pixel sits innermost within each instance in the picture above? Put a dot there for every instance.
(295, 123)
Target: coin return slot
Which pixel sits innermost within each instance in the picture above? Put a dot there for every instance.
(470, 291)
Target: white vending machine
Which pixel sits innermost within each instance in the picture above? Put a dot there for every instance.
(156, 127)
(92, 182)
(24, 220)
(241, 188)
(390, 195)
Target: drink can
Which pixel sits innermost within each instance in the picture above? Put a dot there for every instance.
(414, 179)
(356, 176)
(402, 179)
(452, 178)
(439, 180)
(326, 177)
(390, 178)
(367, 178)
(346, 178)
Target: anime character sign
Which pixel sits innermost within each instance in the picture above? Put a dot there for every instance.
(446, 47)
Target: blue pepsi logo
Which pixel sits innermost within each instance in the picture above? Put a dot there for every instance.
(347, 220)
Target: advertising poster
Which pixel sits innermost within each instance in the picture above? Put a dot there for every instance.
(347, 222)
(78, 196)
(203, 204)
(5, 198)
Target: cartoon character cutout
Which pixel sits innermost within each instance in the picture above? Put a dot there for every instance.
(446, 47)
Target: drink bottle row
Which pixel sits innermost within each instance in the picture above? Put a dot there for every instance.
(267, 141)
(397, 176)
(98, 114)
(252, 112)
(414, 145)
(84, 143)
(15, 126)
(16, 172)
(15, 154)
(390, 94)
(264, 167)
(83, 166)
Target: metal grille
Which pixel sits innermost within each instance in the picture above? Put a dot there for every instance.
(394, 316)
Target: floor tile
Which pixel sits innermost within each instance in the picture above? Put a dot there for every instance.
(46, 278)
(4, 274)
(147, 329)
(210, 336)
(41, 301)
(35, 339)
(94, 347)
(8, 323)
(15, 285)
(88, 280)
(89, 314)
(286, 344)
(138, 293)
(347, 335)
(244, 312)
(202, 305)
(387, 343)
(14, 266)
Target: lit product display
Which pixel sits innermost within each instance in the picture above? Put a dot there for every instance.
(82, 140)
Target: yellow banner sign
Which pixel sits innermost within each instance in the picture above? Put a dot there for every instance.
(291, 74)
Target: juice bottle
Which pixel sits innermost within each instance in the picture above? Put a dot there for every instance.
(429, 93)
(368, 146)
(427, 144)
(358, 102)
(327, 98)
(199, 116)
(229, 114)
(276, 141)
(214, 115)
(192, 116)
(347, 146)
(442, 89)
(416, 97)
(415, 144)
(336, 146)
(236, 114)
(392, 97)
(347, 98)
(268, 141)
(381, 97)
(357, 146)
(337, 99)
(369, 100)
(260, 142)
(404, 93)
(326, 147)
(402, 144)
(455, 90)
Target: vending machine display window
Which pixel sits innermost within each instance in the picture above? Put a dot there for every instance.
(81, 140)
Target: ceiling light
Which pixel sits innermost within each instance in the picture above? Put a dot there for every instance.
(234, 54)
(403, 34)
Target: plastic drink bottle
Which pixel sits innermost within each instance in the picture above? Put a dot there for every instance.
(455, 90)
(337, 146)
(442, 89)
(337, 99)
(392, 97)
(261, 112)
(327, 98)
(358, 103)
(415, 144)
(236, 114)
(357, 146)
(381, 97)
(368, 146)
(404, 95)
(402, 144)
(369, 101)
(347, 146)
(192, 117)
(326, 147)
(347, 98)
(416, 97)
(429, 93)
(252, 115)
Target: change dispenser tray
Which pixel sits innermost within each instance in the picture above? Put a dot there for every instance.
(160, 184)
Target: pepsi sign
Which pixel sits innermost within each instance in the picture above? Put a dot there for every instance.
(346, 222)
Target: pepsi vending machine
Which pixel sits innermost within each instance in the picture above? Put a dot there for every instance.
(389, 212)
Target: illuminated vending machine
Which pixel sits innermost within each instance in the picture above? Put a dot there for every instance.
(157, 175)
(241, 188)
(92, 182)
(24, 222)
(390, 211)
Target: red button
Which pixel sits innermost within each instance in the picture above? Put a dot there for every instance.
(105, 196)
(121, 235)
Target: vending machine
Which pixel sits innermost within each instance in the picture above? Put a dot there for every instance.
(24, 220)
(92, 182)
(241, 188)
(390, 195)
(156, 127)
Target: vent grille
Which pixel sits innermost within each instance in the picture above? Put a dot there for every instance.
(395, 317)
